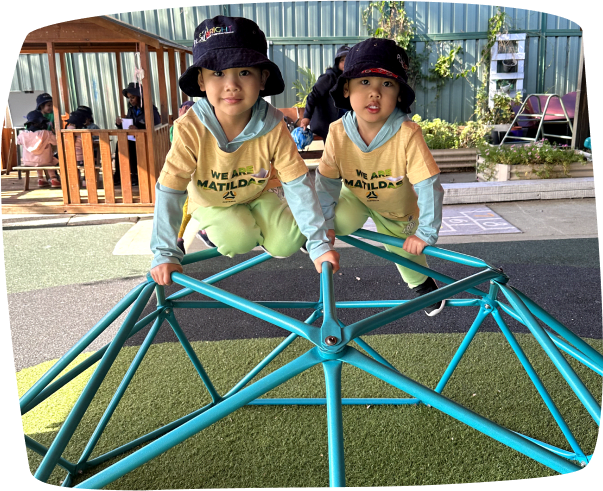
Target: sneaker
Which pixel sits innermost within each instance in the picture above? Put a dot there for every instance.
(428, 286)
(203, 236)
(43, 183)
(181, 245)
(304, 249)
(55, 183)
(276, 257)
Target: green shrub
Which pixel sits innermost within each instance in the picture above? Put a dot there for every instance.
(540, 152)
(439, 134)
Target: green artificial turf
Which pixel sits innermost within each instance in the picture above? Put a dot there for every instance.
(277, 446)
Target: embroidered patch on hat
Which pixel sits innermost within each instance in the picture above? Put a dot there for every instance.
(402, 62)
(380, 71)
(214, 31)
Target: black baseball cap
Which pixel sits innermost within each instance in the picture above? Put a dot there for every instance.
(375, 57)
(229, 42)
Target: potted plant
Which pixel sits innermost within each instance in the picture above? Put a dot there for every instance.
(537, 160)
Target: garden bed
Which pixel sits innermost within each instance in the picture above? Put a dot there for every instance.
(450, 159)
(504, 172)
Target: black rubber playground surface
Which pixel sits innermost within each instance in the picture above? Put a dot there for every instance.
(562, 276)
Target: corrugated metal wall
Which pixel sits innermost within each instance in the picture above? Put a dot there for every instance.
(93, 76)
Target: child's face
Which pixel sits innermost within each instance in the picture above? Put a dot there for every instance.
(46, 108)
(373, 99)
(234, 91)
(133, 99)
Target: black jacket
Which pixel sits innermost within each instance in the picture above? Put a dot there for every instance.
(137, 115)
(320, 109)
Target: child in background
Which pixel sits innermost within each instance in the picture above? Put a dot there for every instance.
(37, 144)
(228, 145)
(77, 121)
(383, 160)
(89, 124)
(44, 105)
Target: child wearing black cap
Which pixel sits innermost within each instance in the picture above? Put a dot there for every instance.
(37, 144)
(387, 170)
(89, 124)
(224, 151)
(44, 105)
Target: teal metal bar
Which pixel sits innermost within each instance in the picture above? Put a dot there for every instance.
(553, 353)
(375, 321)
(43, 450)
(224, 274)
(271, 356)
(195, 257)
(143, 439)
(560, 329)
(372, 304)
(102, 424)
(481, 315)
(191, 304)
(350, 401)
(82, 344)
(563, 453)
(464, 415)
(570, 350)
(67, 481)
(276, 318)
(83, 366)
(365, 346)
(455, 257)
(195, 425)
(332, 370)
(330, 331)
(73, 419)
(407, 263)
(215, 397)
(527, 366)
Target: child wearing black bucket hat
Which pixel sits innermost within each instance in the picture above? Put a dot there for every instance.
(224, 151)
(44, 105)
(38, 144)
(77, 121)
(388, 172)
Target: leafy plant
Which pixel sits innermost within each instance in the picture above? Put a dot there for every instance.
(440, 134)
(304, 85)
(541, 156)
(502, 112)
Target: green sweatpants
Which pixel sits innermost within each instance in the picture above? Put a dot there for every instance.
(351, 214)
(237, 229)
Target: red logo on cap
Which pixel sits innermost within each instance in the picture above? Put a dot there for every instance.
(380, 71)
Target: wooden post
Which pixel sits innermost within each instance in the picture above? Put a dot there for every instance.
(146, 170)
(581, 128)
(163, 103)
(173, 82)
(182, 70)
(121, 111)
(64, 85)
(54, 84)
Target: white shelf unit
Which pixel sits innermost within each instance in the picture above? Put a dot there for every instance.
(519, 55)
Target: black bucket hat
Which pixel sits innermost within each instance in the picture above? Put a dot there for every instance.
(132, 88)
(35, 117)
(77, 117)
(375, 58)
(229, 42)
(43, 99)
(87, 111)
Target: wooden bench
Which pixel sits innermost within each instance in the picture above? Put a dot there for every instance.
(27, 169)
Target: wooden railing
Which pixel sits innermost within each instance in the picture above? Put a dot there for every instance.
(98, 161)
